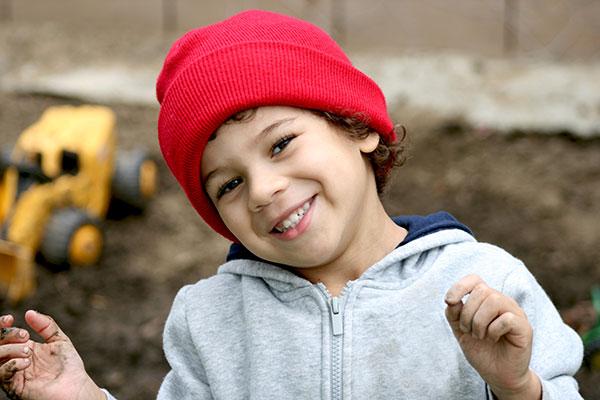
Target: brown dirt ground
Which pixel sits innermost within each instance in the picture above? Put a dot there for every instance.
(537, 196)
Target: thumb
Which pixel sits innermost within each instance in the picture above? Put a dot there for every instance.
(45, 326)
(6, 321)
(453, 316)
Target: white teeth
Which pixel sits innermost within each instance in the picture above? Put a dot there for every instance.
(292, 220)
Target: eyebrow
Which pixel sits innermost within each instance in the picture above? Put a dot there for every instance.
(264, 132)
(267, 130)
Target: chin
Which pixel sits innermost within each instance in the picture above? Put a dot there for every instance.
(308, 254)
(315, 258)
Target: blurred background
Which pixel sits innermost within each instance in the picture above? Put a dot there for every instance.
(501, 100)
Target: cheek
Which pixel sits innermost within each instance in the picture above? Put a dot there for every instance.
(336, 164)
(324, 158)
(239, 221)
(234, 219)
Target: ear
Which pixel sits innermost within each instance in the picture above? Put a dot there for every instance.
(370, 143)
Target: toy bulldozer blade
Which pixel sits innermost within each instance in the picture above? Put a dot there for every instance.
(17, 276)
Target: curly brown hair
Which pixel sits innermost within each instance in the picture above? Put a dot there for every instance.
(383, 159)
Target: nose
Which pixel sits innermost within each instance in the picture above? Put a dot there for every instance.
(263, 188)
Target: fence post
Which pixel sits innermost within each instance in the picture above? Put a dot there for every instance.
(511, 26)
(6, 13)
(169, 15)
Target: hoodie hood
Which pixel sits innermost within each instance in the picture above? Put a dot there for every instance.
(424, 233)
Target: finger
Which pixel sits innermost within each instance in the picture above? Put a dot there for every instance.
(13, 335)
(494, 305)
(515, 328)
(461, 288)
(9, 351)
(8, 369)
(45, 326)
(478, 295)
(6, 321)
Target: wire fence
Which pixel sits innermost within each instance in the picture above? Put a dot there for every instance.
(557, 29)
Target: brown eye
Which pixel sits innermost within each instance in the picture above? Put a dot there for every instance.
(228, 187)
(281, 144)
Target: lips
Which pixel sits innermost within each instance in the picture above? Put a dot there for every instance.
(293, 217)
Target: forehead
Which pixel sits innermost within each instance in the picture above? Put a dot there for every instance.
(232, 136)
(258, 118)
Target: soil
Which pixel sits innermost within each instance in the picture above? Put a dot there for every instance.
(537, 196)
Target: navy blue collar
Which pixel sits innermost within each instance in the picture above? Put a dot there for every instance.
(416, 225)
(419, 226)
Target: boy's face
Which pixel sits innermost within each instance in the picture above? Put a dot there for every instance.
(293, 189)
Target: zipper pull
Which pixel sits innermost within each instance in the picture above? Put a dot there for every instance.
(337, 325)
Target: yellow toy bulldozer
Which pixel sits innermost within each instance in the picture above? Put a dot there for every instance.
(55, 189)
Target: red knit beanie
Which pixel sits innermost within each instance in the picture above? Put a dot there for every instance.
(255, 58)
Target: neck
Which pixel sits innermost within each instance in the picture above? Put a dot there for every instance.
(378, 236)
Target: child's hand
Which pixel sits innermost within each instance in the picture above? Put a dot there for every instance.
(495, 336)
(45, 371)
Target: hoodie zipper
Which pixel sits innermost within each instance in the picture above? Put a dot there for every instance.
(337, 331)
(337, 324)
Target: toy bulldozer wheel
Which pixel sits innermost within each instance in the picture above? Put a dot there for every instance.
(72, 237)
(135, 179)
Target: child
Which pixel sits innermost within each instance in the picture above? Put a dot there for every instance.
(282, 146)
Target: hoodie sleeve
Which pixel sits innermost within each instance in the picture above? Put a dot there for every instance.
(187, 378)
(557, 350)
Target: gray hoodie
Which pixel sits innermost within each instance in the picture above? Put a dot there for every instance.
(257, 331)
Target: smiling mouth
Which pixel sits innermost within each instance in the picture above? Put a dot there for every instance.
(293, 219)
